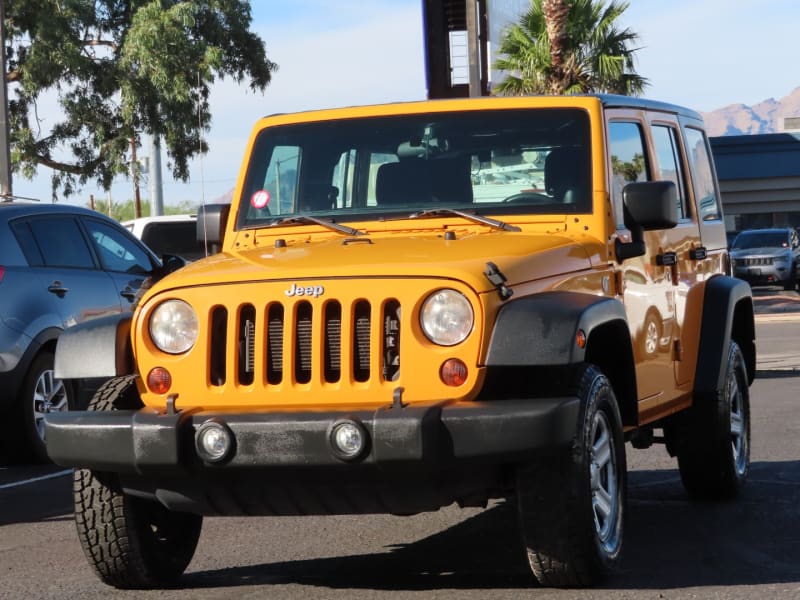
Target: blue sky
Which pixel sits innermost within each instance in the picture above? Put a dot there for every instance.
(705, 54)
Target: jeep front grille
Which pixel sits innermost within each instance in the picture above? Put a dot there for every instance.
(280, 342)
(760, 261)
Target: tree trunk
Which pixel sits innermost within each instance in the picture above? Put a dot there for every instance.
(556, 13)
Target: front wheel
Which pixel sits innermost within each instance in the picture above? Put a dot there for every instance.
(571, 507)
(41, 393)
(715, 457)
(130, 542)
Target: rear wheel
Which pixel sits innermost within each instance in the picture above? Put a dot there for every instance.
(571, 507)
(130, 542)
(714, 458)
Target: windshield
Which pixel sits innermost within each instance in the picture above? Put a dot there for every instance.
(487, 162)
(761, 239)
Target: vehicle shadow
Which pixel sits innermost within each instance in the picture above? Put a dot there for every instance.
(35, 493)
(670, 542)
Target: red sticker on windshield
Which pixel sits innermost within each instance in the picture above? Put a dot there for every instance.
(260, 199)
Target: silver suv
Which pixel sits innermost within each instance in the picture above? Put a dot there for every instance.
(59, 265)
(767, 257)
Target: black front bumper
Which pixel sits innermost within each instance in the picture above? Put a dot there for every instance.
(147, 442)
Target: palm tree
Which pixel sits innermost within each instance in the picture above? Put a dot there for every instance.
(569, 47)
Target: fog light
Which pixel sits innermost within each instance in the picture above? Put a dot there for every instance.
(159, 380)
(214, 441)
(453, 372)
(348, 439)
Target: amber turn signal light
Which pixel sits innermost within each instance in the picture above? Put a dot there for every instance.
(159, 380)
(453, 372)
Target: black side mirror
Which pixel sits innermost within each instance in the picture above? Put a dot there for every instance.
(169, 264)
(211, 222)
(648, 205)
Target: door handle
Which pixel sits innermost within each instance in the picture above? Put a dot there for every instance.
(57, 288)
(128, 293)
(667, 259)
(698, 253)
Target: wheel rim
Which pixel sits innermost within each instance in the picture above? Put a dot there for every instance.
(49, 395)
(651, 337)
(606, 502)
(738, 425)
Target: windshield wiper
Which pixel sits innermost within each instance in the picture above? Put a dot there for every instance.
(307, 220)
(439, 212)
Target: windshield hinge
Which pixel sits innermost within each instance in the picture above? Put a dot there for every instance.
(498, 280)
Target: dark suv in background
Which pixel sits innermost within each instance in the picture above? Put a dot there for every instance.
(767, 257)
(59, 265)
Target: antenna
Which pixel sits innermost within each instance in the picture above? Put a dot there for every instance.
(202, 173)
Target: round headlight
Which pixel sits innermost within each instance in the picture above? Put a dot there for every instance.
(446, 317)
(173, 327)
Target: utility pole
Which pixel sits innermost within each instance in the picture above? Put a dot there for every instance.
(137, 200)
(156, 187)
(5, 141)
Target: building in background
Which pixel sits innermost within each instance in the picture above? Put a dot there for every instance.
(759, 178)
(460, 36)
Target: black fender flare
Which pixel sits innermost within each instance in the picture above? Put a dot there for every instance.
(97, 348)
(727, 315)
(541, 329)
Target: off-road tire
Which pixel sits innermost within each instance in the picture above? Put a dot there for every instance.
(571, 507)
(714, 457)
(41, 393)
(130, 542)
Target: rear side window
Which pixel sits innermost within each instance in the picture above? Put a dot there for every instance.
(27, 243)
(665, 140)
(702, 175)
(628, 161)
(61, 243)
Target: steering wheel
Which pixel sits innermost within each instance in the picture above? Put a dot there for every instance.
(529, 197)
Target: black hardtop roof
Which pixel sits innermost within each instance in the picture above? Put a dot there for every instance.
(617, 101)
(607, 100)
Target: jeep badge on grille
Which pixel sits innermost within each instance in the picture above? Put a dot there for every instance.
(308, 290)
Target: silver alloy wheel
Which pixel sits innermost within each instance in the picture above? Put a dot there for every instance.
(739, 439)
(49, 395)
(651, 337)
(604, 482)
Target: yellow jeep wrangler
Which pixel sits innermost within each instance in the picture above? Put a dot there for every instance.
(419, 304)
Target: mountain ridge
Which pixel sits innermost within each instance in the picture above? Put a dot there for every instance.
(766, 116)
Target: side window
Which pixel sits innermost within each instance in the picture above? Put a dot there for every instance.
(665, 140)
(281, 179)
(628, 161)
(61, 242)
(705, 191)
(117, 252)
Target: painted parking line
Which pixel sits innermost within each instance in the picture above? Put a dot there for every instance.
(14, 484)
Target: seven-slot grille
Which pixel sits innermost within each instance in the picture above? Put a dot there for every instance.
(284, 336)
(759, 261)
